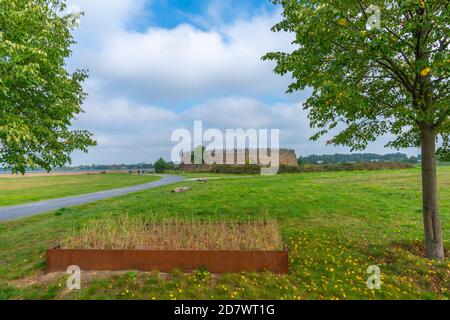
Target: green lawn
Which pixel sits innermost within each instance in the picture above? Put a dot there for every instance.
(335, 225)
(15, 191)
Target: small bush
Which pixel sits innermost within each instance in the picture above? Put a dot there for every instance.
(161, 166)
(360, 166)
(256, 169)
(241, 169)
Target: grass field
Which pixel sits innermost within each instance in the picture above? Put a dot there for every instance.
(30, 189)
(336, 225)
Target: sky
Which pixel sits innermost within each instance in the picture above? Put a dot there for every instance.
(159, 65)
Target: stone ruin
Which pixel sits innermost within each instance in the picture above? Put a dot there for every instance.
(287, 158)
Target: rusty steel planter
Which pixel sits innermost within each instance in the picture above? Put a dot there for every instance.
(166, 260)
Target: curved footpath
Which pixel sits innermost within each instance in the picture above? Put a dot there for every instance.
(29, 209)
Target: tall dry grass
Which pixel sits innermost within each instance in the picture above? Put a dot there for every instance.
(128, 232)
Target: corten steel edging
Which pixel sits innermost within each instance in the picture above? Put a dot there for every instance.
(58, 260)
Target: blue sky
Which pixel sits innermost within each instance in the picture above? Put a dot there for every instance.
(159, 65)
(200, 13)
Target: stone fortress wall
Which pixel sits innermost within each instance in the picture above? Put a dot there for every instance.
(287, 158)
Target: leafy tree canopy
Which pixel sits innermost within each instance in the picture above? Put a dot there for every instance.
(373, 81)
(161, 165)
(39, 98)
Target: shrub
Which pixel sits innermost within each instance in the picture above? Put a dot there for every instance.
(360, 166)
(256, 169)
(241, 169)
(160, 166)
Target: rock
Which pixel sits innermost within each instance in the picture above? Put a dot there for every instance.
(202, 180)
(181, 189)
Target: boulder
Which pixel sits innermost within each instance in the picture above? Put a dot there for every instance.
(181, 189)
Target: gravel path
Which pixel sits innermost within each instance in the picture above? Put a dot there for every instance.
(29, 209)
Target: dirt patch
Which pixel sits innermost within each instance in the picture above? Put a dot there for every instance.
(416, 248)
(39, 278)
(389, 253)
(42, 279)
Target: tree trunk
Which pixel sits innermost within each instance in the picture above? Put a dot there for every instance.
(432, 221)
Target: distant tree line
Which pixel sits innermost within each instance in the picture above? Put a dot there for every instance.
(357, 157)
(109, 167)
(159, 166)
(95, 167)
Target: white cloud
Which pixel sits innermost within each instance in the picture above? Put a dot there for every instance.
(103, 18)
(246, 113)
(125, 129)
(217, 76)
(128, 132)
(182, 62)
(179, 63)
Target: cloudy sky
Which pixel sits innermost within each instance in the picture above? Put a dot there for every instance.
(158, 65)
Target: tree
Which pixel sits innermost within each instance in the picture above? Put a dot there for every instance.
(160, 165)
(170, 165)
(376, 67)
(39, 98)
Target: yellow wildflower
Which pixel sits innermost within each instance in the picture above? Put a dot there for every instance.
(343, 22)
(425, 72)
